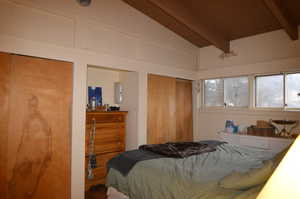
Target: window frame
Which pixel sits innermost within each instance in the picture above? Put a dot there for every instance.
(252, 86)
(249, 94)
(203, 95)
(284, 107)
(285, 92)
(224, 106)
(255, 93)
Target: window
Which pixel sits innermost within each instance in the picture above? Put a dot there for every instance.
(230, 92)
(269, 91)
(213, 92)
(278, 91)
(236, 92)
(293, 90)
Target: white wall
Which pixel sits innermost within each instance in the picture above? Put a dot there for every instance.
(109, 33)
(130, 83)
(262, 54)
(107, 27)
(252, 51)
(105, 79)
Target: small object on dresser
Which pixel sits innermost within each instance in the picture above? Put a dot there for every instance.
(243, 129)
(235, 128)
(266, 132)
(229, 126)
(94, 96)
(106, 107)
(263, 124)
(93, 103)
(114, 108)
(100, 108)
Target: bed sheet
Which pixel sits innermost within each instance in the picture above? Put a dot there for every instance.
(195, 177)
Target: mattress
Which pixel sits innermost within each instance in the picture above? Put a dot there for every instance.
(189, 178)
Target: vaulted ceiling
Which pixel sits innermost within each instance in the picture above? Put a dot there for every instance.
(217, 22)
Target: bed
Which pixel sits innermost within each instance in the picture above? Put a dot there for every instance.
(227, 172)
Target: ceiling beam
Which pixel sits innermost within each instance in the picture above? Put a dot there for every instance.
(285, 22)
(173, 15)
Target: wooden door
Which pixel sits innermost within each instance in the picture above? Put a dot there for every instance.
(38, 132)
(184, 110)
(5, 63)
(161, 126)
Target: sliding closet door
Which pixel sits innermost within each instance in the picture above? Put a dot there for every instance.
(184, 110)
(161, 126)
(38, 132)
(170, 110)
(4, 113)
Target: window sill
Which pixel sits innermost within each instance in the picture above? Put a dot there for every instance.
(254, 111)
(278, 109)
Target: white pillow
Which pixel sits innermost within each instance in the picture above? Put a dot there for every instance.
(254, 177)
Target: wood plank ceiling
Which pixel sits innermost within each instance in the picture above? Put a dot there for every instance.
(217, 22)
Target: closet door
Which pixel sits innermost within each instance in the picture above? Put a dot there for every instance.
(4, 114)
(38, 132)
(161, 126)
(184, 110)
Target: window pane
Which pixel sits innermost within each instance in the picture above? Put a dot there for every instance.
(213, 92)
(293, 90)
(236, 92)
(269, 91)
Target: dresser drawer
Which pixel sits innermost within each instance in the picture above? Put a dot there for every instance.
(89, 184)
(99, 173)
(106, 132)
(105, 118)
(103, 159)
(107, 147)
(101, 170)
(99, 177)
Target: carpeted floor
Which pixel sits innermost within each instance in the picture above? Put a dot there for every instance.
(98, 192)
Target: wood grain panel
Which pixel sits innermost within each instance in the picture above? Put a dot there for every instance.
(161, 126)
(184, 110)
(39, 129)
(5, 68)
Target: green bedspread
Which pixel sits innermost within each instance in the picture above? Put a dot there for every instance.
(195, 177)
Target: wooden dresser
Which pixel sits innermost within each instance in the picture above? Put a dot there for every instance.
(109, 141)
